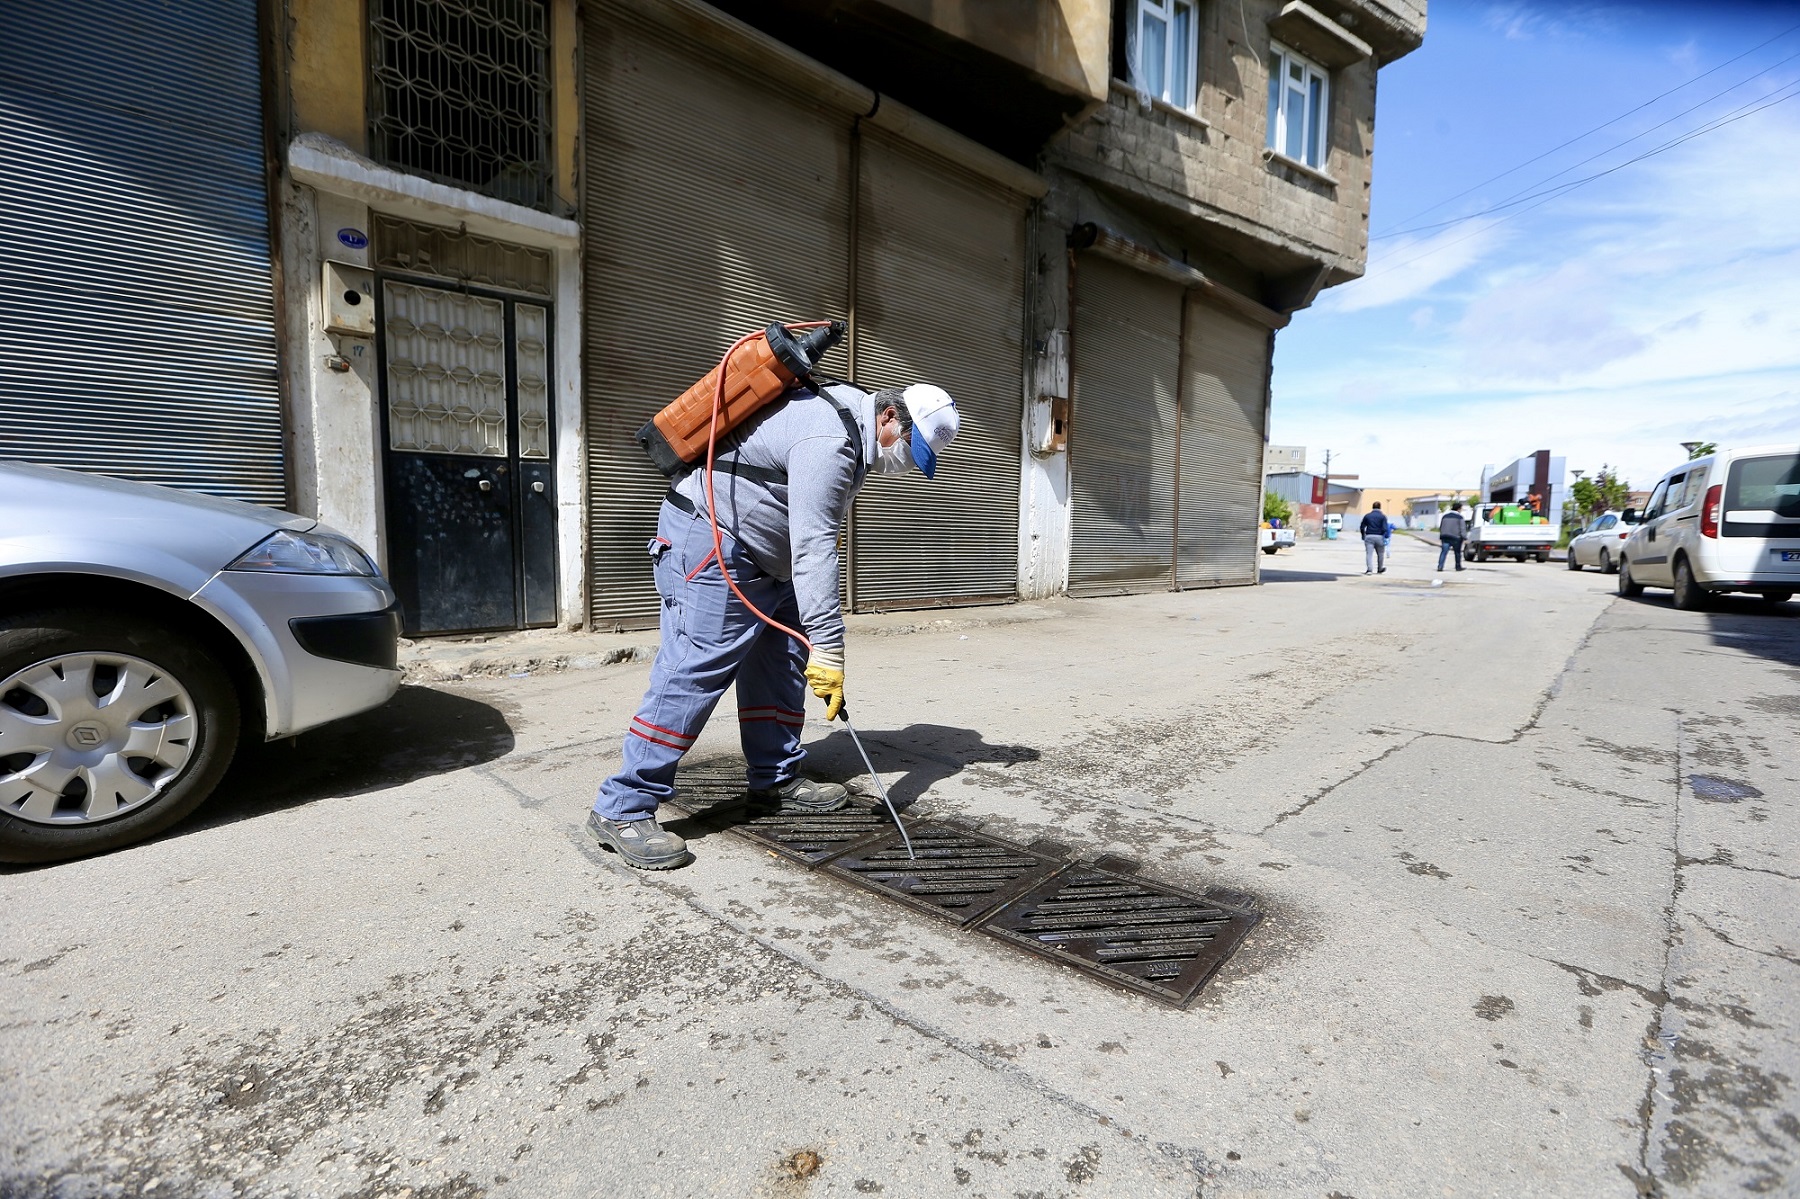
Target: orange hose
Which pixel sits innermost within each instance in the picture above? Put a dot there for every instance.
(712, 509)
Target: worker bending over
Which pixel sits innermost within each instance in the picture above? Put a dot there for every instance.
(783, 481)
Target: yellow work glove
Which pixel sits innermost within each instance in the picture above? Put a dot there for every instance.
(825, 673)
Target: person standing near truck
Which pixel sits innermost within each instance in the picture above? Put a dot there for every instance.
(1452, 528)
(1375, 529)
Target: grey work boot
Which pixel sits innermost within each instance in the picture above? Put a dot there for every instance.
(801, 796)
(643, 844)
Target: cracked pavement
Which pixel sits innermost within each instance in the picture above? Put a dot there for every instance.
(1527, 855)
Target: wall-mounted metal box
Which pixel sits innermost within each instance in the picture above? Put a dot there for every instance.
(349, 293)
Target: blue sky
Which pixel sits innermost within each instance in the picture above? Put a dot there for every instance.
(1655, 305)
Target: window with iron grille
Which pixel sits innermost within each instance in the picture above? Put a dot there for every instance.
(460, 92)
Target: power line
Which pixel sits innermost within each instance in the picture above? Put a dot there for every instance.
(1528, 192)
(1563, 189)
(1597, 128)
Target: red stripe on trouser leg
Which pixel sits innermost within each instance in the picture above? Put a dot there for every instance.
(659, 728)
(659, 741)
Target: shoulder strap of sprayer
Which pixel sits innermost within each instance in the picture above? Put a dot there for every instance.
(854, 430)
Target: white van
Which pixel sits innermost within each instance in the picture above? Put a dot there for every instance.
(1727, 522)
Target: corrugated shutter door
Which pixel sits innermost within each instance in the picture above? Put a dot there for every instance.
(139, 333)
(1226, 395)
(1127, 359)
(713, 206)
(941, 299)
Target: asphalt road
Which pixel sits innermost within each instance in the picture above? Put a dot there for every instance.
(1527, 853)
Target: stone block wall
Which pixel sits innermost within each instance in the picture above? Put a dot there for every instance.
(1210, 165)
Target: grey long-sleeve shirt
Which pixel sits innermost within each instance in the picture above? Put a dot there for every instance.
(791, 528)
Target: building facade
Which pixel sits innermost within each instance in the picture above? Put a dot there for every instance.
(1540, 474)
(422, 267)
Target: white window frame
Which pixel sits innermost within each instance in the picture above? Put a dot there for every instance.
(1187, 56)
(1315, 142)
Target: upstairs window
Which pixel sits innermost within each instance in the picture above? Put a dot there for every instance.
(460, 92)
(1165, 50)
(1299, 108)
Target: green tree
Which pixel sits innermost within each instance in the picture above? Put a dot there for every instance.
(1276, 508)
(1602, 493)
(1702, 450)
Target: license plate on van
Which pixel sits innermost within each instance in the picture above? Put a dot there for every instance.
(1789, 555)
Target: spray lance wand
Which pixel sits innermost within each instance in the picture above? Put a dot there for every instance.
(818, 343)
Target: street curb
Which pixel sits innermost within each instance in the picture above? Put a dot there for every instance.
(557, 651)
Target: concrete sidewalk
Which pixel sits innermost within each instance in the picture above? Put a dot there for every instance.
(1527, 853)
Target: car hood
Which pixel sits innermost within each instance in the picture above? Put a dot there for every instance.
(62, 518)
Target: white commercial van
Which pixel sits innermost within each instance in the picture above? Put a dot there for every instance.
(1727, 522)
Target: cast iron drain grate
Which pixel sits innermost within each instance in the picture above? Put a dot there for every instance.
(1096, 917)
(705, 785)
(959, 875)
(809, 839)
(1131, 932)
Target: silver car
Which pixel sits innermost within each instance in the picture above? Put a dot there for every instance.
(1600, 542)
(145, 631)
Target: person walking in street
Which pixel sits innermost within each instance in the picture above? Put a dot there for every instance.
(783, 483)
(1452, 528)
(1375, 532)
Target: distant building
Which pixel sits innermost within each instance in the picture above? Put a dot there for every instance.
(1399, 503)
(1283, 459)
(1538, 473)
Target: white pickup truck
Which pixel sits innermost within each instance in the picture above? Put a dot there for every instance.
(1498, 530)
(1269, 540)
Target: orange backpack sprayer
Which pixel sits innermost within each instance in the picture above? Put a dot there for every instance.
(775, 362)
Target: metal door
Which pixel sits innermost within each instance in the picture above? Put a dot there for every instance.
(471, 503)
(138, 337)
(940, 298)
(1224, 406)
(1122, 462)
(690, 240)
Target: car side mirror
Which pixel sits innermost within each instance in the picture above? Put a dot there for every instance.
(1630, 516)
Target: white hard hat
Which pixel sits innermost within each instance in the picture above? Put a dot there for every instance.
(935, 422)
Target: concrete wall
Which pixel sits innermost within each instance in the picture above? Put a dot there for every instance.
(1064, 42)
(327, 72)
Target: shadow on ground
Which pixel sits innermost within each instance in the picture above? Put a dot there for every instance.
(1746, 623)
(1299, 576)
(933, 752)
(418, 733)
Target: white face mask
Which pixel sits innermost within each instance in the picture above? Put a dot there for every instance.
(894, 459)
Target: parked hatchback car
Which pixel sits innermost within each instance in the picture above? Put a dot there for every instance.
(1727, 522)
(1599, 543)
(145, 631)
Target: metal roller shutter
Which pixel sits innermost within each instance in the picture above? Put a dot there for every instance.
(1127, 360)
(1224, 402)
(940, 298)
(714, 204)
(139, 335)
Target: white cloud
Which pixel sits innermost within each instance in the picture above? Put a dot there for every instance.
(1548, 327)
(1521, 22)
(1404, 267)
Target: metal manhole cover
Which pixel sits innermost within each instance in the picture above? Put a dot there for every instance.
(1133, 933)
(959, 875)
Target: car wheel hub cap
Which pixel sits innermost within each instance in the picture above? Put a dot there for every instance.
(87, 737)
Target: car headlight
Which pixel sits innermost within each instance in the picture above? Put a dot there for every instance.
(283, 552)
